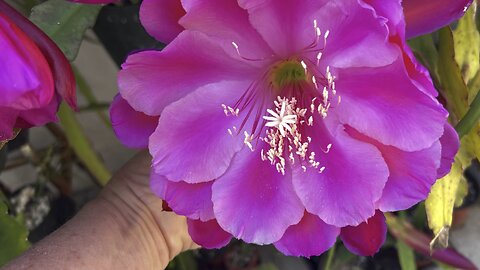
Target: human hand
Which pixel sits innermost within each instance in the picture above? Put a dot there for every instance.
(123, 228)
(129, 192)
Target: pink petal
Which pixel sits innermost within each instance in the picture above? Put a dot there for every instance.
(450, 145)
(26, 80)
(358, 36)
(288, 28)
(203, 16)
(412, 174)
(192, 142)
(151, 80)
(352, 181)
(253, 201)
(131, 127)
(425, 16)
(208, 234)
(366, 238)
(389, 108)
(160, 18)
(310, 237)
(281, 23)
(191, 200)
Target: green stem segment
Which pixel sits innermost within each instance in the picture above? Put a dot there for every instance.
(330, 255)
(81, 145)
(470, 119)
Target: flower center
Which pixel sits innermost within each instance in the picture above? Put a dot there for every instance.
(295, 92)
(288, 72)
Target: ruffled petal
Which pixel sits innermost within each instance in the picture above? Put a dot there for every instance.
(208, 234)
(340, 196)
(192, 142)
(425, 16)
(310, 237)
(191, 200)
(132, 128)
(358, 36)
(204, 16)
(388, 107)
(160, 18)
(253, 201)
(366, 238)
(411, 174)
(151, 80)
(393, 12)
(450, 145)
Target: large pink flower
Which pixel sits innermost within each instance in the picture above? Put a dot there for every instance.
(286, 122)
(34, 75)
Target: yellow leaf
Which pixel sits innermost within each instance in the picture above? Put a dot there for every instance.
(467, 44)
(440, 203)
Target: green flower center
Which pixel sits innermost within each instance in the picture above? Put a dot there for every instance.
(287, 73)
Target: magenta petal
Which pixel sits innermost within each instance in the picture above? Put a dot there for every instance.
(191, 200)
(160, 18)
(62, 71)
(253, 201)
(39, 116)
(389, 108)
(282, 23)
(204, 16)
(310, 237)
(450, 145)
(352, 181)
(411, 174)
(355, 48)
(208, 234)
(192, 60)
(192, 142)
(131, 127)
(8, 117)
(425, 16)
(26, 80)
(366, 238)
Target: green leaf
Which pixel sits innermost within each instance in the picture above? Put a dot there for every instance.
(406, 256)
(65, 23)
(13, 236)
(467, 44)
(82, 146)
(453, 86)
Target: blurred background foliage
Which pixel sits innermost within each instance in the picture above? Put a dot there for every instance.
(418, 238)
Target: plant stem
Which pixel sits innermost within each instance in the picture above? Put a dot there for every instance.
(330, 255)
(82, 146)
(470, 119)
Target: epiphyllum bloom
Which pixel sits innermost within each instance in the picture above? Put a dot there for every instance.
(286, 122)
(34, 75)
